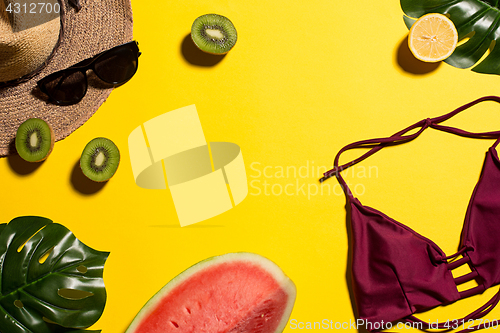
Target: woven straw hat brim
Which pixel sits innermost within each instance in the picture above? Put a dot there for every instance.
(98, 26)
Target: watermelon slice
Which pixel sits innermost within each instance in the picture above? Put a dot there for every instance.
(231, 293)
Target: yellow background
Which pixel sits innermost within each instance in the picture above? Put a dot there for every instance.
(304, 79)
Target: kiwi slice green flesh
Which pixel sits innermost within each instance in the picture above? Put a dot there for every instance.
(34, 140)
(213, 33)
(100, 159)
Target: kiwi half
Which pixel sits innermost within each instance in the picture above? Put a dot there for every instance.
(34, 140)
(100, 159)
(213, 33)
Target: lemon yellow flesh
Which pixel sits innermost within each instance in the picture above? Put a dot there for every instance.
(432, 38)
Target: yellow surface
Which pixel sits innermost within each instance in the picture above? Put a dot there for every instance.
(304, 79)
(172, 149)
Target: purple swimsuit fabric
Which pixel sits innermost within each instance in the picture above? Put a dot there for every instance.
(396, 271)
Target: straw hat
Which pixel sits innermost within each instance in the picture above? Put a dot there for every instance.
(35, 45)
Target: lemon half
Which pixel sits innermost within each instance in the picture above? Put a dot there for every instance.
(433, 38)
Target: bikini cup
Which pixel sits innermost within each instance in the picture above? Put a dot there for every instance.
(396, 271)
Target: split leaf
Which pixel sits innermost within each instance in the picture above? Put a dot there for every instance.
(477, 20)
(50, 282)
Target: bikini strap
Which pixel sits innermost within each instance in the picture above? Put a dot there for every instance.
(402, 137)
(379, 143)
(482, 135)
(460, 323)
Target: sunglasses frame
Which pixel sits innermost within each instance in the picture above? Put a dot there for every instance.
(83, 66)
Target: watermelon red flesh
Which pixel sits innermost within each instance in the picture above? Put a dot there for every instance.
(231, 297)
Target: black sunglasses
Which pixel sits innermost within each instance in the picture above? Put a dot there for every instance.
(115, 66)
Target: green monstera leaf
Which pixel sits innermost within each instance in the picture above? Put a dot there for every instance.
(477, 19)
(50, 282)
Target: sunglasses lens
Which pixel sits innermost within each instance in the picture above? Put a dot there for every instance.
(117, 66)
(67, 88)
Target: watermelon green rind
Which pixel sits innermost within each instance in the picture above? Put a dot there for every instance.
(285, 283)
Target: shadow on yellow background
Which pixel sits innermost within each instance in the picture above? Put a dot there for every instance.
(407, 61)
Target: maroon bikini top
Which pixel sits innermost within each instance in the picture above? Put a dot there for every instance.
(396, 271)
